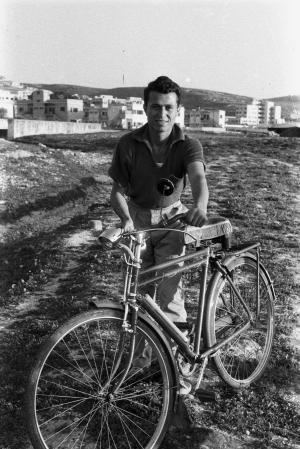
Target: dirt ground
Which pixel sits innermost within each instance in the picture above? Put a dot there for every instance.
(53, 187)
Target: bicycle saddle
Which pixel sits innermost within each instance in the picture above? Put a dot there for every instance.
(216, 228)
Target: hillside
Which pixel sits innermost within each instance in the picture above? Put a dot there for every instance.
(191, 98)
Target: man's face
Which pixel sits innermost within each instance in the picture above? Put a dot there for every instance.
(162, 110)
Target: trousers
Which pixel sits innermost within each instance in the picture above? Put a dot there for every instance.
(162, 246)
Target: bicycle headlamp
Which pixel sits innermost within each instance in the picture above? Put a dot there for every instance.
(109, 237)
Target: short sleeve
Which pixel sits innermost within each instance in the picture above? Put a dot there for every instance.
(120, 168)
(193, 152)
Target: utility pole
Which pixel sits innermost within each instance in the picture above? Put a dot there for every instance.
(123, 53)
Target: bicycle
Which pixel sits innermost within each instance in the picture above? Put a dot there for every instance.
(83, 391)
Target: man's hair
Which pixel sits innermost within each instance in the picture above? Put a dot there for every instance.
(163, 85)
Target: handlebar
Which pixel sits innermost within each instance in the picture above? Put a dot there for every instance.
(111, 236)
(216, 227)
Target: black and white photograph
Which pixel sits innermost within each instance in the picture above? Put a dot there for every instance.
(149, 224)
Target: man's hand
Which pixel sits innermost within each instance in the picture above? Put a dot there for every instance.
(127, 224)
(196, 217)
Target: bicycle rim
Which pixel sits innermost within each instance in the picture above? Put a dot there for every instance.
(70, 400)
(243, 360)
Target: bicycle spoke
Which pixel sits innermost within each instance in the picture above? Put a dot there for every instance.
(123, 423)
(65, 374)
(71, 364)
(125, 414)
(83, 351)
(242, 359)
(76, 406)
(70, 425)
(60, 386)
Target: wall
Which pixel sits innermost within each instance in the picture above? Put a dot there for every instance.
(6, 109)
(19, 128)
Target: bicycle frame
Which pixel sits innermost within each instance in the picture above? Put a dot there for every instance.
(199, 259)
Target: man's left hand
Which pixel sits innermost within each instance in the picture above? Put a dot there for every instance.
(196, 217)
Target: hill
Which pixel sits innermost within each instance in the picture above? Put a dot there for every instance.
(191, 98)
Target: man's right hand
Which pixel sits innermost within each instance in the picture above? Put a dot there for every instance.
(127, 224)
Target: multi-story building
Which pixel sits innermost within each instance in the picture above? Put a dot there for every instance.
(248, 114)
(64, 109)
(213, 118)
(259, 112)
(197, 118)
(126, 114)
(193, 118)
(44, 106)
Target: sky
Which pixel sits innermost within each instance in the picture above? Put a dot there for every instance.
(244, 47)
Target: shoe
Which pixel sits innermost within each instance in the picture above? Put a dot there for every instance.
(206, 395)
(185, 387)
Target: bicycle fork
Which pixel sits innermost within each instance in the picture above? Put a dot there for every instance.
(128, 328)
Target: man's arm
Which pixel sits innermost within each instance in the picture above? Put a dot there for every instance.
(119, 205)
(196, 215)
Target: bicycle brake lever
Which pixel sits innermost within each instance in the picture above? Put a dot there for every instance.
(169, 221)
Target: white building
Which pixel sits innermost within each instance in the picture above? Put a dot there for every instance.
(64, 109)
(213, 118)
(6, 104)
(41, 106)
(259, 112)
(197, 118)
(126, 113)
(180, 119)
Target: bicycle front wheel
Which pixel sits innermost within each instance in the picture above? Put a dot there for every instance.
(242, 360)
(70, 399)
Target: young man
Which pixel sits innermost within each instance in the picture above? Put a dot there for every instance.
(159, 150)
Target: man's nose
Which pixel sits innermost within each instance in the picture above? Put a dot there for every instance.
(162, 111)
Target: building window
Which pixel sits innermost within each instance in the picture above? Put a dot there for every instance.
(62, 108)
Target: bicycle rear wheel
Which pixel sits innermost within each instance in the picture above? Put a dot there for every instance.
(242, 360)
(70, 403)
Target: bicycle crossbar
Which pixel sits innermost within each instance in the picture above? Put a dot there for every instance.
(172, 272)
(177, 260)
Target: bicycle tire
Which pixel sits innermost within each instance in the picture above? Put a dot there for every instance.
(243, 360)
(68, 400)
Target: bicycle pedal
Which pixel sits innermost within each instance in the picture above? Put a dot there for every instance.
(206, 395)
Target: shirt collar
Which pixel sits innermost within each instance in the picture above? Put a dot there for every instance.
(142, 135)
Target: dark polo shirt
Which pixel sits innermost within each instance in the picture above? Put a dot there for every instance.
(134, 168)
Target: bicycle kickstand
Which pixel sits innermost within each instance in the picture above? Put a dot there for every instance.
(201, 393)
(202, 369)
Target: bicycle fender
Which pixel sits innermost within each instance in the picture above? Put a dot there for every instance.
(98, 303)
(229, 259)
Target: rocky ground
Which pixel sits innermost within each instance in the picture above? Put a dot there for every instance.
(54, 186)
